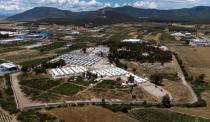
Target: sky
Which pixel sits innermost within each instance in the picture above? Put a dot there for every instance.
(17, 6)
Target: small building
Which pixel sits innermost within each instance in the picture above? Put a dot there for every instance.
(133, 40)
(164, 48)
(178, 34)
(74, 33)
(10, 41)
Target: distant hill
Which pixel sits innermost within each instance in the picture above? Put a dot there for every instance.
(195, 14)
(40, 13)
(114, 15)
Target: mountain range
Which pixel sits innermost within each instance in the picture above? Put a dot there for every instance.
(199, 14)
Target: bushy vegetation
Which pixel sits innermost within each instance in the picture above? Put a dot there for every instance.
(176, 28)
(167, 38)
(117, 108)
(40, 84)
(109, 84)
(33, 116)
(186, 74)
(156, 79)
(4, 36)
(47, 65)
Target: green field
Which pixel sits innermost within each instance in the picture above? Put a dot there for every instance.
(109, 84)
(40, 84)
(67, 89)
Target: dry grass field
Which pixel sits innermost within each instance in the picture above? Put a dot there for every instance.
(196, 60)
(142, 94)
(89, 114)
(179, 92)
(104, 93)
(19, 55)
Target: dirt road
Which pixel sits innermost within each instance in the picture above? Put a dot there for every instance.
(184, 82)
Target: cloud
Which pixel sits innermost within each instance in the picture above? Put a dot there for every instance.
(145, 4)
(86, 5)
(74, 5)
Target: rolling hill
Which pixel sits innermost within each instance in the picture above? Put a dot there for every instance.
(114, 15)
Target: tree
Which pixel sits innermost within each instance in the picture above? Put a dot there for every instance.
(84, 50)
(201, 77)
(119, 79)
(166, 102)
(134, 69)
(24, 69)
(103, 102)
(131, 85)
(156, 79)
(130, 79)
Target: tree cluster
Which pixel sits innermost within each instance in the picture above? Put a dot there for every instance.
(4, 36)
(135, 52)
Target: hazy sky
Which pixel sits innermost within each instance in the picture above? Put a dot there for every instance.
(15, 6)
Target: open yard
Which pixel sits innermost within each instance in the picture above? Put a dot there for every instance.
(89, 114)
(196, 60)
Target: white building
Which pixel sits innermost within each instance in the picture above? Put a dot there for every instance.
(199, 42)
(133, 40)
(178, 34)
(10, 33)
(8, 41)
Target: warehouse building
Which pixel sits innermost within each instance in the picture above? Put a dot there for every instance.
(67, 71)
(8, 68)
(133, 40)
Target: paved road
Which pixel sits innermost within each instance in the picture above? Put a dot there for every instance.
(184, 82)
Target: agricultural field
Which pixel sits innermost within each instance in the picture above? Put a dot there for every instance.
(199, 111)
(5, 117)
(163, 115)
(44, 89)
(88, 114)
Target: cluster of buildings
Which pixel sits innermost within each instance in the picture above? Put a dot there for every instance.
(8, 68)
(97, 30)
(199, 42)
(67, 71)
(117, 72)
(20, 36)
(78, 62)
